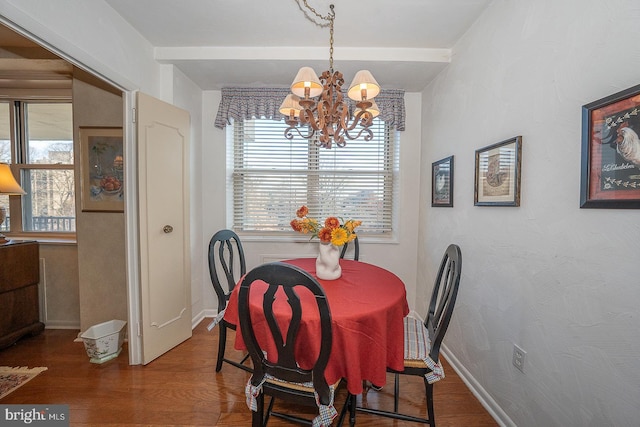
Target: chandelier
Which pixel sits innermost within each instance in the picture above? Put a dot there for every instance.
(319, 105)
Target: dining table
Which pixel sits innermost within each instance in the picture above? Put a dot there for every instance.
(367, 305)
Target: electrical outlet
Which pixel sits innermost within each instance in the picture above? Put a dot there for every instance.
(518, 357)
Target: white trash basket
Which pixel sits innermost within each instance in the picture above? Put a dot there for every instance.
(103, 341)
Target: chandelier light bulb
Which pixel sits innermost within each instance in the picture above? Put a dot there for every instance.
(290, 107)
(306, 83)
(363, 87)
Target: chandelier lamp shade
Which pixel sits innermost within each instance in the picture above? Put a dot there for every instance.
(316, 105)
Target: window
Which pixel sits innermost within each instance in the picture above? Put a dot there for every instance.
(37, 139)
(272, 177)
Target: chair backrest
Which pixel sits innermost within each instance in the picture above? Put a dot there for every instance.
(443, 298)
(226, 248)
(291, 280)
(356, 247)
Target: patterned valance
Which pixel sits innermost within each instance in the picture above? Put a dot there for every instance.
(240, 103)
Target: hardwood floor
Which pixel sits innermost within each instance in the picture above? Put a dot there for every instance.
(181, 388)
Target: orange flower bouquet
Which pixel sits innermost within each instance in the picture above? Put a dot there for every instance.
(333, 231)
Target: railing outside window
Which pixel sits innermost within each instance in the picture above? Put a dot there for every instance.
(62, 224)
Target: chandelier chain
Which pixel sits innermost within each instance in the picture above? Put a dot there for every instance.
(331, 16)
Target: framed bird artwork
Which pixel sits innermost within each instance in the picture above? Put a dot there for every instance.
(610, 166)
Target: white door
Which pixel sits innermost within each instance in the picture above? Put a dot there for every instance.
(163, 179)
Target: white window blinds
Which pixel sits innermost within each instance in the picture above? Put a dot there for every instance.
(272, 177)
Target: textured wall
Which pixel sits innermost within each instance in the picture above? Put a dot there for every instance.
(100, 235)
(559, 281)
(59, 285)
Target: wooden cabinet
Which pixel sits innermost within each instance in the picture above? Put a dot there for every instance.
(19, 303)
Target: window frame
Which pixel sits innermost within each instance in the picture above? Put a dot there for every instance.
(19, 147)
(392, 164)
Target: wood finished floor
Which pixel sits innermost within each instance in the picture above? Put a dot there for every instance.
(181, 388)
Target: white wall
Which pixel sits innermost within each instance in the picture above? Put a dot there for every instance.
(399, 257)
(559, 281)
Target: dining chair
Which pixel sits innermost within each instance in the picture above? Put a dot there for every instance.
(356, 247)
(422, 340)
(278, 372)
(224, 249)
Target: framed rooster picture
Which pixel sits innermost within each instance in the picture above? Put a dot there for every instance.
(610, 172)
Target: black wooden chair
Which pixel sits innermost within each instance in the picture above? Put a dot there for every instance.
(356, 248)
(279, 375)
(224, 249)
(422, 340)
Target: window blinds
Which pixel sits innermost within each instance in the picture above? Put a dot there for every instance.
(272, 177)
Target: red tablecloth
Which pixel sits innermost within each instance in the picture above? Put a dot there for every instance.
(367, 306)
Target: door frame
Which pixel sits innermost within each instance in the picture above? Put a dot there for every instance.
(132, 249)
(132, 230)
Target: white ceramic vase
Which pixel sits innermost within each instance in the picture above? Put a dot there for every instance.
(328, 262)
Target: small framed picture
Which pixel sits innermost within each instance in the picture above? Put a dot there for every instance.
(497, 178)
(442, 183)
(610, 167)
(101, 169)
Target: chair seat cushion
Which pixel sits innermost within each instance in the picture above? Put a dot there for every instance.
(216, 320)
(326, 413)
(305, 387)
(417, 346)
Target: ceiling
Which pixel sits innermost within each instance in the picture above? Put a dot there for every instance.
(220, 43)
(217, 43)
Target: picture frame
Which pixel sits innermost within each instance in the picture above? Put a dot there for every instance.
(497, 173)
(610, 160)
(442, 183)
(101, 169)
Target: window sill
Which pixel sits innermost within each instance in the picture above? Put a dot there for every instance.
(305, 238)
(44, 239)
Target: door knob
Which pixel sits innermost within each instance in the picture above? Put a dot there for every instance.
(167, 229)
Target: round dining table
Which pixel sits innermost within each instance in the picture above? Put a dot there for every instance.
(367, 304)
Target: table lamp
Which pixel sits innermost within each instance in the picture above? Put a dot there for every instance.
(8, 185)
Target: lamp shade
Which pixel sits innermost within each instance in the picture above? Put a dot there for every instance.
(374, 110)
(306, 77)
(363, 80)
(8, 184)
(290, 103)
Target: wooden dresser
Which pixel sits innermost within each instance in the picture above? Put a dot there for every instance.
(19, 304)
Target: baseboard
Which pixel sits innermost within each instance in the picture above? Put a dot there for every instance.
(61, 324)
(207, 313)
(478, 391)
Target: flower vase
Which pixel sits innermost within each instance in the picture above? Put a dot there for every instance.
(328, 262)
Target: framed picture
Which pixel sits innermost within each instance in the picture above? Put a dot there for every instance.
(101, 169)
(610, 172)
(497, 178)
(442, 183)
